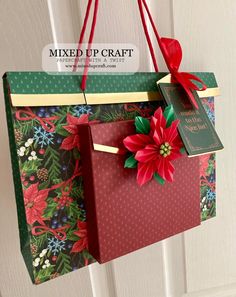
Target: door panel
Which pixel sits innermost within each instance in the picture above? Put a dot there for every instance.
(207, 34)
(202, 261)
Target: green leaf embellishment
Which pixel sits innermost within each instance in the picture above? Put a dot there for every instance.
(159, 179)
(169, 115)
(131, 162)
(182, 150)
(142, 125)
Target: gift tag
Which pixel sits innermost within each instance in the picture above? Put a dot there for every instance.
(195, 128)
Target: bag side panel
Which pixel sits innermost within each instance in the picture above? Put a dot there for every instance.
(22, 224)
(208, 172)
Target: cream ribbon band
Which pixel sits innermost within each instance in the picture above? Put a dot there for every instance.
(21, 100)
(108, 149)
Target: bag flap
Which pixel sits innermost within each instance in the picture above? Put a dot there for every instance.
(108, 137)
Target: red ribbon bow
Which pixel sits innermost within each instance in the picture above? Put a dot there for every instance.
(45, 122)
(172, 53)
(59, 233)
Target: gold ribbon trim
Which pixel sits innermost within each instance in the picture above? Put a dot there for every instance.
(47, 99)
(107, 149)
(20, 100)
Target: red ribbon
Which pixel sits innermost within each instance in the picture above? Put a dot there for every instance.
(172, 53)
(59, 233)
(90, 41)
(45, 122)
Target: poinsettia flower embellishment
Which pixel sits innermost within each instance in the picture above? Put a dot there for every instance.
(155, 146)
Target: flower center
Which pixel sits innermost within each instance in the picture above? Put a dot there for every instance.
(165, 149)
(30, 204)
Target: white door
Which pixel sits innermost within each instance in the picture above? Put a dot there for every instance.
(201, 262)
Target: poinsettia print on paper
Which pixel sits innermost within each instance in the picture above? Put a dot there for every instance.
(49, 162)
(35, 204)
(82, 242)
(72, 140)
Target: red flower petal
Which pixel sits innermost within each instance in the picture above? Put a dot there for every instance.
(82, 229)
(169, 171)
(76, 141)
(72, 129)
(41, 195)
(83, 119)
(160, 117)
(82, 233)
(31, 192)
(158, 136)
(79, 246)
(68, 143)
(175, 154)
(165, 169)
(171, 133)
(204, 159)
(71, 120)
(177, 143)
(149, 153)
(29, 217)
(155, 127)
(145, 172)
(160, 167)
(82, 242)
(82, 225)
(136, 142)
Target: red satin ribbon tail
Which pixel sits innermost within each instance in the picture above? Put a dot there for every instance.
(189, 77)
(185, 80)
(191, 96)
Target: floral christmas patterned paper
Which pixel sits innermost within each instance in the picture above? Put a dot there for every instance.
(207, 172)
(49, 161)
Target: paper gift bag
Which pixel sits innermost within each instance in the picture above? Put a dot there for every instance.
(122, 216)
(43, 112)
